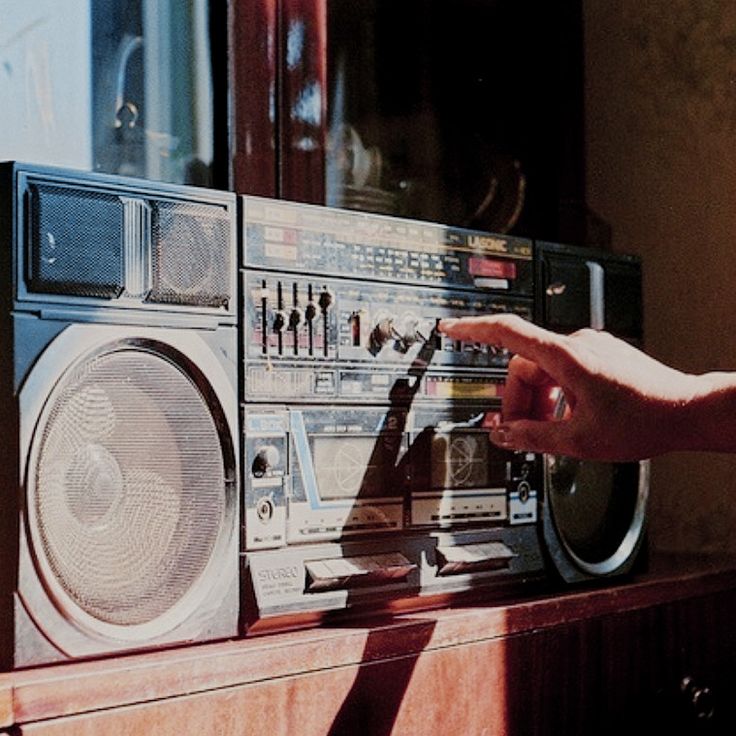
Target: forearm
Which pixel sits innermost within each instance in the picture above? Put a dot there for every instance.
(708, 420)
(623, 404)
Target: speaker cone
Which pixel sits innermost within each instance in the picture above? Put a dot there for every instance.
(595, 513)
(128, 492)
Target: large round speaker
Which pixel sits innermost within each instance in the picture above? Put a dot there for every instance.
(130, 504)
(593, 515)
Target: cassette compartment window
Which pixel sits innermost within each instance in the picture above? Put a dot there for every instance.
(356, 467)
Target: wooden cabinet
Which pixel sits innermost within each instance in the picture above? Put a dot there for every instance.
(591, 661)
(277, 73)
(467, 113)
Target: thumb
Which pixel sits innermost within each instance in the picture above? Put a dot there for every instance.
(533, 436)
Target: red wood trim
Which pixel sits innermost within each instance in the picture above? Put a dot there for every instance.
(405, 696)
(303, 97)
(81, 687)
(253, 89)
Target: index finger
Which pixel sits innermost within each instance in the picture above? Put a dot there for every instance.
(547, 349)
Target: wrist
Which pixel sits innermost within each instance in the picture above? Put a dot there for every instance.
(706, 420)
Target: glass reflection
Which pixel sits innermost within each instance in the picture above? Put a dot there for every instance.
(119, 86)
(464, 112)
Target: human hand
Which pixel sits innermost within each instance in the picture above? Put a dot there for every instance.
(621, 403)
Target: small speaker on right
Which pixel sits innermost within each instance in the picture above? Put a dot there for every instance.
(593, 513)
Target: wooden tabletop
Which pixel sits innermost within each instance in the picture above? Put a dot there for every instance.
(81, 687)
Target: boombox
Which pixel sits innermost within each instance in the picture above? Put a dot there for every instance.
(118, 383)
(229, 415)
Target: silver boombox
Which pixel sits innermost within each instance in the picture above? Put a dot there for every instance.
(225, 415)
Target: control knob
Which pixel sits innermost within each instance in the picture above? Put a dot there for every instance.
(310, 311)
(266, 458)
(382, 333)
(296, 318)
(325, 299)
(265, 509)
(411, 334)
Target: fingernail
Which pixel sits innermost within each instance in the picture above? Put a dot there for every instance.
(502, 436)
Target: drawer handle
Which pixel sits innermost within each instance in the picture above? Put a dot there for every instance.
(699, 698)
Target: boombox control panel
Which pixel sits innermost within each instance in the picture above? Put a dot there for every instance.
(301, 334)
(367, 467)
(367, 313)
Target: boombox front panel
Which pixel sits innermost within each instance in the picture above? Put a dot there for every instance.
(130, 523)
(367, 471)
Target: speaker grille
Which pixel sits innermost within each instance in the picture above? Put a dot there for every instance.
(594, 504)
(130, 486)
(75, 242)
(192, 255)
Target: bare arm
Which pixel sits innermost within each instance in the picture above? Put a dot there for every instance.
(622, 404)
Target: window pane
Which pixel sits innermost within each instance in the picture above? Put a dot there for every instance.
(121, 86)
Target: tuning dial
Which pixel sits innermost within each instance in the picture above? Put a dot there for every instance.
(267, 457)
(410, 334)
(410, 337)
